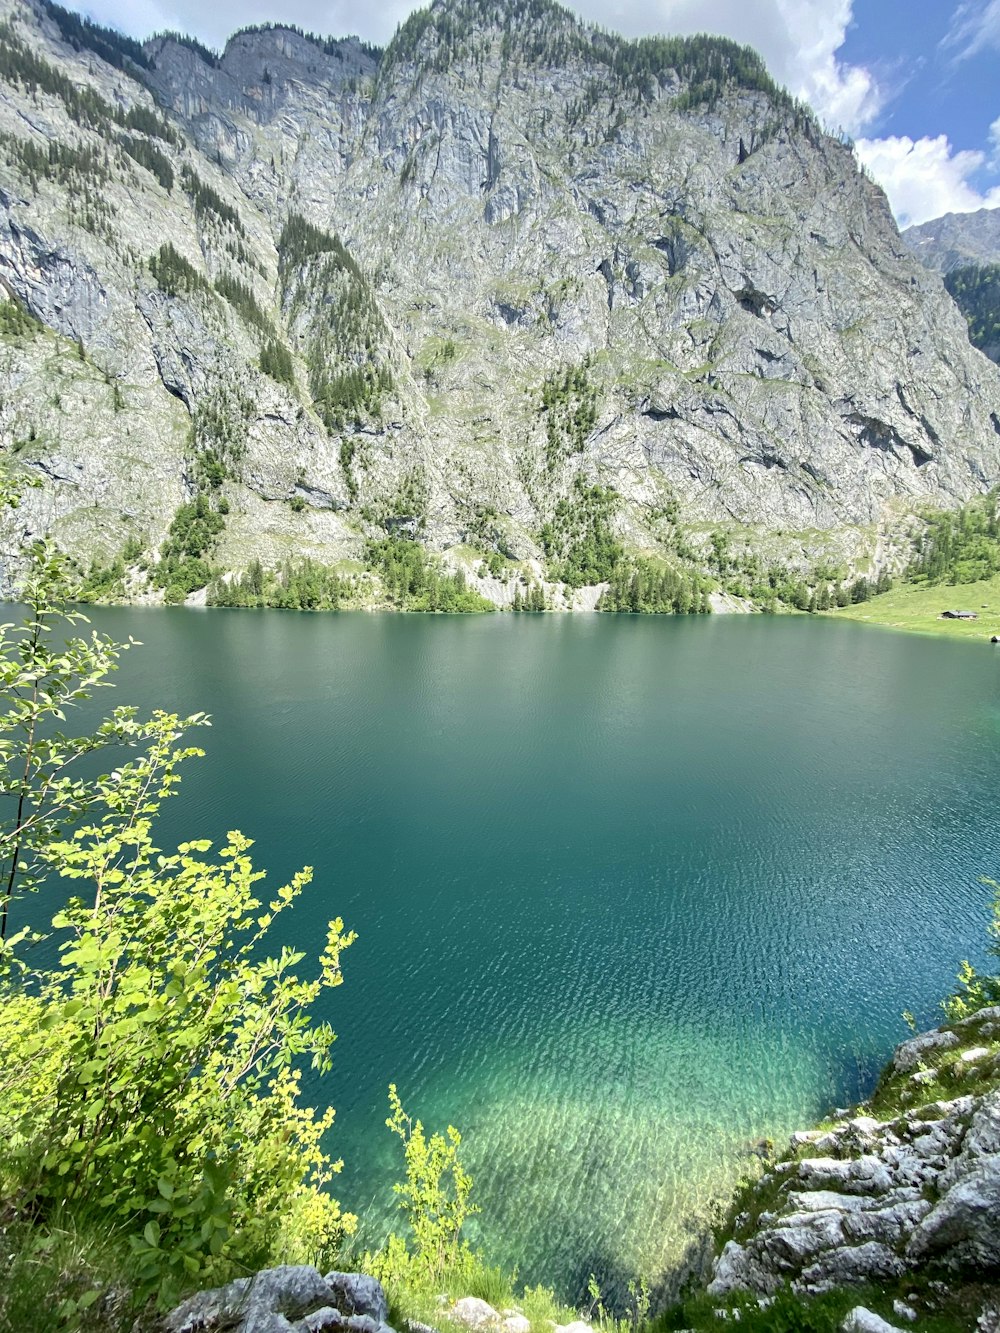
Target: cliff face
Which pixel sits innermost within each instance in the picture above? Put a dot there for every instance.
(524, 258)
(956, 240)
(965, 248)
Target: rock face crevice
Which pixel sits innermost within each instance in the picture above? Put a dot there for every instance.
(513, 208)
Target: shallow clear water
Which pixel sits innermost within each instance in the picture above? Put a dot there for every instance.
(631, 893)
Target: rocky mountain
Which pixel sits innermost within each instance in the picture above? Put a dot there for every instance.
(976, 289)
(965, 249)
(533, 296)
(957, 240)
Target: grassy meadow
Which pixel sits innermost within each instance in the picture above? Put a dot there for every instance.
(917, 607)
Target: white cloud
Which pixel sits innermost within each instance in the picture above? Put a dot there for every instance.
(925, 178)
(975, 27)
(995, 145)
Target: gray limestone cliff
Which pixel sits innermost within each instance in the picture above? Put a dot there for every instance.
(956, 239)
(965, 248)
(443, 289)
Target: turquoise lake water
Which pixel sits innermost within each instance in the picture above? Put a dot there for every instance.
(631, 893)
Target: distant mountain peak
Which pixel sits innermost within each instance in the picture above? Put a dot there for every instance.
(957, 239)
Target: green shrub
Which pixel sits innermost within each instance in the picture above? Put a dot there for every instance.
(150, 157)
(976, 289)
(299, 585)
(75, 167)
(435, 1200)
(85, 35)
(974, 991)
(578, 540)
(102, 581)
(435, 1194)
(569, 406)
(413, 583)
(961, 546)
(242, 299)
(183, 566)
(149, 1074)
(639, 586)
(344, 334)
(208, 203)
(84, 105)
(276, 361)
(41, 790)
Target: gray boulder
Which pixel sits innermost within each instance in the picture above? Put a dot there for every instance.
(963, 1228)
(912, 1052)
(474, 1313)
(359, 1294)
(289, 1299)
(863, 1320)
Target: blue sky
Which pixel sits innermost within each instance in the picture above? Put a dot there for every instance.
(915, 82)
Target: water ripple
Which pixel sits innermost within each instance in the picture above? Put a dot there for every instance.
(630, 894)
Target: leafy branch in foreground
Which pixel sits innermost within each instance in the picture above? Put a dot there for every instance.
(150, 1074)
(435, 1199)
(41, 680)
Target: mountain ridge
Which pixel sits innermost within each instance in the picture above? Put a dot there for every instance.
(955, 240)
(548, 281)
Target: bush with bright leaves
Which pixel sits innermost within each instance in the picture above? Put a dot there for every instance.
(150, 1076)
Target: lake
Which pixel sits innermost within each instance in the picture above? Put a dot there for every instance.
(631, 893)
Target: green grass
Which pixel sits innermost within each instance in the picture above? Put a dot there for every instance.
(917, 608)
(953, 1309)
(64, 1276)
(429, 1300)
(952, 1076)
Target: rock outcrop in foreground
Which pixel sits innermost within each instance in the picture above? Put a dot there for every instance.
(912, 1185)
(290, 1299)
(297, 1299)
